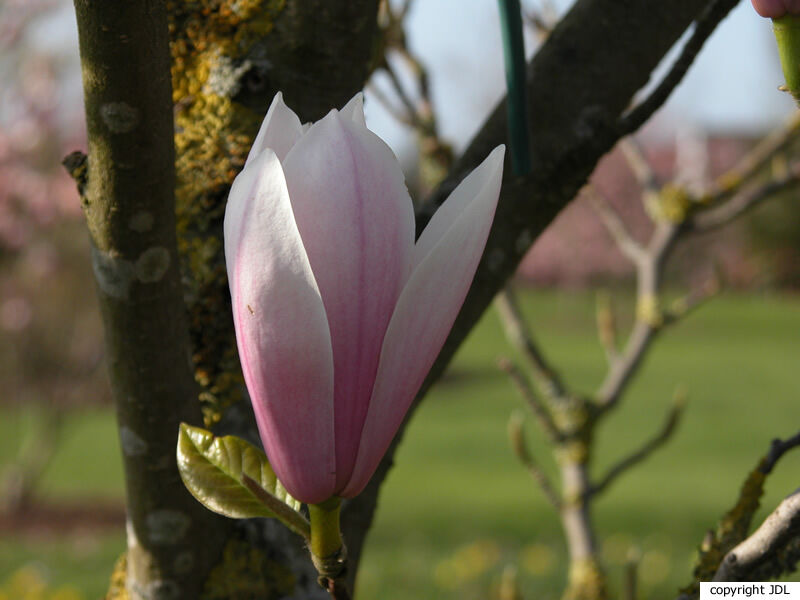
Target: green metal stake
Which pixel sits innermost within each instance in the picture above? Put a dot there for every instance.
(514, 53)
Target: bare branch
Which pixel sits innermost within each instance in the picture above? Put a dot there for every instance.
(734, 526)
(402, 13)
(520, 447)
(411, 110)
(631, 574)
(520, 336)
(396, 113)
(542, 19)
(683, 306)
(649, 319)
(639, 165)
(755, 160)
(704, 27)
(777, 449)
(764, 554)
(634, 458)
(540, 411)
(616, 228)
(607, 326)
(744, 201)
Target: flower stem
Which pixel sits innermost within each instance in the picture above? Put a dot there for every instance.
(328, 552)
(787, 34)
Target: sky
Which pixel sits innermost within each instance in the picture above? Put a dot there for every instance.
(731, 88)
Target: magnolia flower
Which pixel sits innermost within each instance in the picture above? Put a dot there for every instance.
(339, 314)
(776, 8)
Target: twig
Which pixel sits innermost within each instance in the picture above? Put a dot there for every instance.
(520, 448)
(412, 113)
(704, 27)
(695, 299)
(542, 414)
(631, 574)
(616, 228)
(755, 160)
(542, 20)
(757, 558)
(746, 200)
(639, 165)
(395, 112)
(648, 322)
(777, 449)
(607, 326)
(520, 336)
(402, 12)
(623, 368)
(666, 431)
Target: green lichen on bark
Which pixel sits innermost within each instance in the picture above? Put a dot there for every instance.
(247, 572)
(116, 588)
(586, 581)
(214, 45)
(732, 529)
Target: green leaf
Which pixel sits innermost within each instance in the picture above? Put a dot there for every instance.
(214, 471)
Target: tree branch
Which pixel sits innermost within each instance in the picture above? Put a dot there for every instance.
(615, 227)
(755, 160)
(520, 336)
(520, 448)
(607, 326)
(634, 458)
(638, 164)
(539, 410)
(777, 449)
(705, 26)
(649, 319)
(743, 201)
(772, 550)
(129, 208)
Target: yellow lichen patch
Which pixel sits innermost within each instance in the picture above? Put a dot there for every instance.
(210, 42)
(670, 204)
(116, 588)
(246, 573)
(648, 310)
(586, 581)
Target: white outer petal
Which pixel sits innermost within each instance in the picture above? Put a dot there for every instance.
(279, 131)
(281, 330)
(354, 110)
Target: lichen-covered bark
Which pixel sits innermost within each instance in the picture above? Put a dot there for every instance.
(128, 201)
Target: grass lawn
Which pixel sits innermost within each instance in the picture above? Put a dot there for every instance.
(458, 509)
